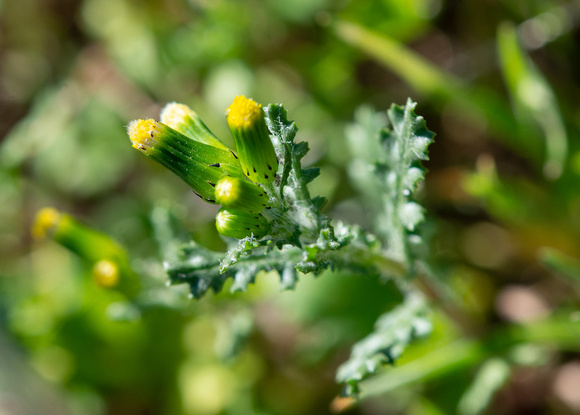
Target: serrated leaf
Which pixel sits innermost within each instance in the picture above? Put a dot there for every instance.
(283, 130)
(300, 149)
(393, 333)
(288, 277)
(200, 285)
(409, 134)
(411, 214)
(388, 174)
(319, 202)
(293, 182)
(310, 174)
(405, 143)
(200, 268)
(244, 277)
(282, 133)
(244, 247)
(414, 175)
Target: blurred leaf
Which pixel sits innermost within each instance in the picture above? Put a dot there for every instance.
(562, 264)
(386, 168)
(490, 378)
(400, 19)
(415, 70)
(534, 99)
(232, 334)
(439, 86)
(462, 354)
(68, 131)
(514, 201)
(405, 144)
(127, 34)
(298, 10)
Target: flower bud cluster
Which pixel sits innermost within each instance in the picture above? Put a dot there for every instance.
(181, 142)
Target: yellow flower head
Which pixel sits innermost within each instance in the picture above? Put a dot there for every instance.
(142, 133)
(243, 113)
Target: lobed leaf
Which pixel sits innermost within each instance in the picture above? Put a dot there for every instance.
(393, 332)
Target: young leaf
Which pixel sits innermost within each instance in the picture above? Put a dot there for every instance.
(293, 182)
(395, 154)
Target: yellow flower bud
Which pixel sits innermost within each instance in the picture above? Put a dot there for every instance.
(257, 156)
(199, 165)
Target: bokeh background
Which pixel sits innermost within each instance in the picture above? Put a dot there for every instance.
(498, 81)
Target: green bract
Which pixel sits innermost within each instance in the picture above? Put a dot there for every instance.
(183, 119)
(238, 224)
(240, 194)
(199, 165)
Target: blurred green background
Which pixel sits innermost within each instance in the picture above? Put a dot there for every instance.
(497, 81)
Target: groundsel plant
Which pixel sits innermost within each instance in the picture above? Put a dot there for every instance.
(271, 222)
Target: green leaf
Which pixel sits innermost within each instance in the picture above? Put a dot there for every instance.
(490, 378)
(534, 99)
(288, 277)
(564, 265)
(310, 174)
(442, 87)
(462, 354)
(293, 188)
(232, 333)
(198, 267)
(282, 133)
(244, 277)
(344, 247)
(386, 168)
(393, 332)
(204, 270)
(319, 202)
(411, 215)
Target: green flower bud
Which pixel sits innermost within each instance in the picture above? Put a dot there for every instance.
(248, 126)
(107, 258)
(183, 119)
(70, 233)
(239, 194)
(238, 224)
(197, 164)
(47, 221)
